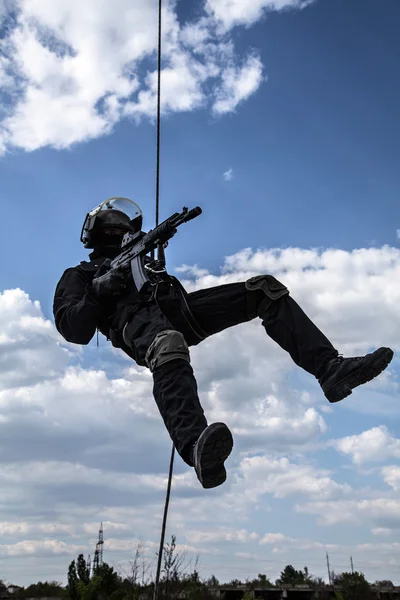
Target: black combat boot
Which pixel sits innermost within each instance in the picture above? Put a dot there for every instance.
(342, 375)
(209, 454)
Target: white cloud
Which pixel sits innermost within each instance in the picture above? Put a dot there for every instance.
(64, 474)
(273, 538)
(240, 12)
(374, 445)
(84, 445)
(273, 424)
(93, 528)
(342, 291)
(72, 73)
(376, 512)
(238, 84)
(283, 479)
(30, 349)
(23, 528)
(381, 531)
(228, 175)
(393, 546)
(374, 557)
(40, 548)
(221, 534)
(283, 543)
(391, 475)
(253, 376)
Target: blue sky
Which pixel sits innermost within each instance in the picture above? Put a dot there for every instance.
(314, 153)
(313, 149)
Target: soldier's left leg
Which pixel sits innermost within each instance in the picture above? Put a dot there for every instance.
(156, 343)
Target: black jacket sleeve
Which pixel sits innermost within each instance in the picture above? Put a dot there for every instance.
(76, 310)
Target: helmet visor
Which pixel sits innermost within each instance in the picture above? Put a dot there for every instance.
(125, 205)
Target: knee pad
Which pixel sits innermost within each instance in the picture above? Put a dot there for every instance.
(268, 289)
(167, 345)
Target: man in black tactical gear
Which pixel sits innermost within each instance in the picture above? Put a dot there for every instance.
(156, 327)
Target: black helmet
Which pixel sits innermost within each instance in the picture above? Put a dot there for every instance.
(116, 213)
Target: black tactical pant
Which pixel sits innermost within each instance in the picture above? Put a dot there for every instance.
(216, 309)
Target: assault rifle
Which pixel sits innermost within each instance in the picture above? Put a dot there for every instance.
(135, 248)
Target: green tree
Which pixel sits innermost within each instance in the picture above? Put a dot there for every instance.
(353, 586)
(174, 568)
(139, 566)
(212, 582)
(119, 594)
(109, 580)
(307, 577)
(235, 582)
(104, 582)
(82, 569)
(194, 578)
(91, 590)
(192, 586)
(262, 581)
(384, 583)
(170, 569)
(72, 586)
(317, 582)
(3, 589)
(290, 576)
(46, 589)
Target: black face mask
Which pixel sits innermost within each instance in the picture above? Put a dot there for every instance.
(104, 252)
(108, 246)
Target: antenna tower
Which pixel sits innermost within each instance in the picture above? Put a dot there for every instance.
(98, 553)
(329, 569)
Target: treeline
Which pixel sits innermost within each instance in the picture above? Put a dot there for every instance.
(179, 579)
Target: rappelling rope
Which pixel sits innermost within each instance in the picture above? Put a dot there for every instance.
(171, 465)
(158, 115)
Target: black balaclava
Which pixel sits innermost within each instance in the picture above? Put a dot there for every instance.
(104, 244)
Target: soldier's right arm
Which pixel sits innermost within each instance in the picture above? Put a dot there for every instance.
(76, 309)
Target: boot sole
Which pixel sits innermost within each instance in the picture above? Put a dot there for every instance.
(214, 447)
(372, 369)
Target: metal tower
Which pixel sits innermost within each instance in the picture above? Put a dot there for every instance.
(98, 553)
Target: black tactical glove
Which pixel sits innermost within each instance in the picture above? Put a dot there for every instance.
(108, 282)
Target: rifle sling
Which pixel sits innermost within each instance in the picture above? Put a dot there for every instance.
(187, 313)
